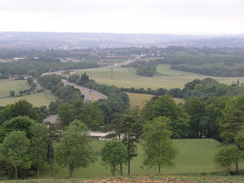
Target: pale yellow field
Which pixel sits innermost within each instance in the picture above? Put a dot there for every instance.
(137, 99)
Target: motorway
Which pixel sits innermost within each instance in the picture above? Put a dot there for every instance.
(90, 95)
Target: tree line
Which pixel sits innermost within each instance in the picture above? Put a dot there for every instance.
(21, 68)
(197, 88)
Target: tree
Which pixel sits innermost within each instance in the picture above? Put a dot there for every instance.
(39, 145)
(226, 156)
(66, 113)
(113, 154)
(14, 149)
(166, 106)
(12, 93)
(232, 118)
(196, 109)
(158, 146)
(20, 108)
(20, 123)
(91, 115)
(129, 128)
(74, 148)
(33, 73)
(53, 134)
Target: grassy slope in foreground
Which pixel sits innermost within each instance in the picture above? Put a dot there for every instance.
(6, 85)
(196, 156)
(127, 78)
(38, 99)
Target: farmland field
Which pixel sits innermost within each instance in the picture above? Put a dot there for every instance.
(137, 99)
(38, 99)
(7, 85)
(167, 78)
(195, 157)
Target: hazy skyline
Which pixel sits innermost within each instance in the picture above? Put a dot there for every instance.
(124, 16)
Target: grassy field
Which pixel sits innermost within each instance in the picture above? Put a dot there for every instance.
(166, 78)
(7, 85)
(196, 157)
(38, 99)
(137, 99)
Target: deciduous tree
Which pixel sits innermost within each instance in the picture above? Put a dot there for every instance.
(159, 148)
(74, 149)
(226, 156)
(39, 145)
(113, 154)
(14, 149)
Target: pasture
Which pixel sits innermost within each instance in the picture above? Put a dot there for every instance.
(6, 85)
(166, 78)
(37, 99)
(195, 158)
(138, 99)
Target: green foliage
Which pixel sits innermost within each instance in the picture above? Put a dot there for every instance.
(11, 93)
(232, 118)
(67, 93)
(30, 81)
(239, 138)
(92, 116)
(66, 113)
(117, 101)
(49, 81)
(41, 66)
(128, 128)
(113, 153)
(33, 73)
(88, 113)
(221, 65)
(14, 150)
(20, 108)
(166, 106)
(74, 148)
(39, 145)
(20, 123)
(146, 71)
(226, 156)
(210, 87)
(159, 148)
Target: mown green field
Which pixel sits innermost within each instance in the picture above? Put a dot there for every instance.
(127, 78)
(38, 99)
(6, 85)
(195, 157)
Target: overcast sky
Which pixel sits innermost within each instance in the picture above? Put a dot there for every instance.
(124, 16)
